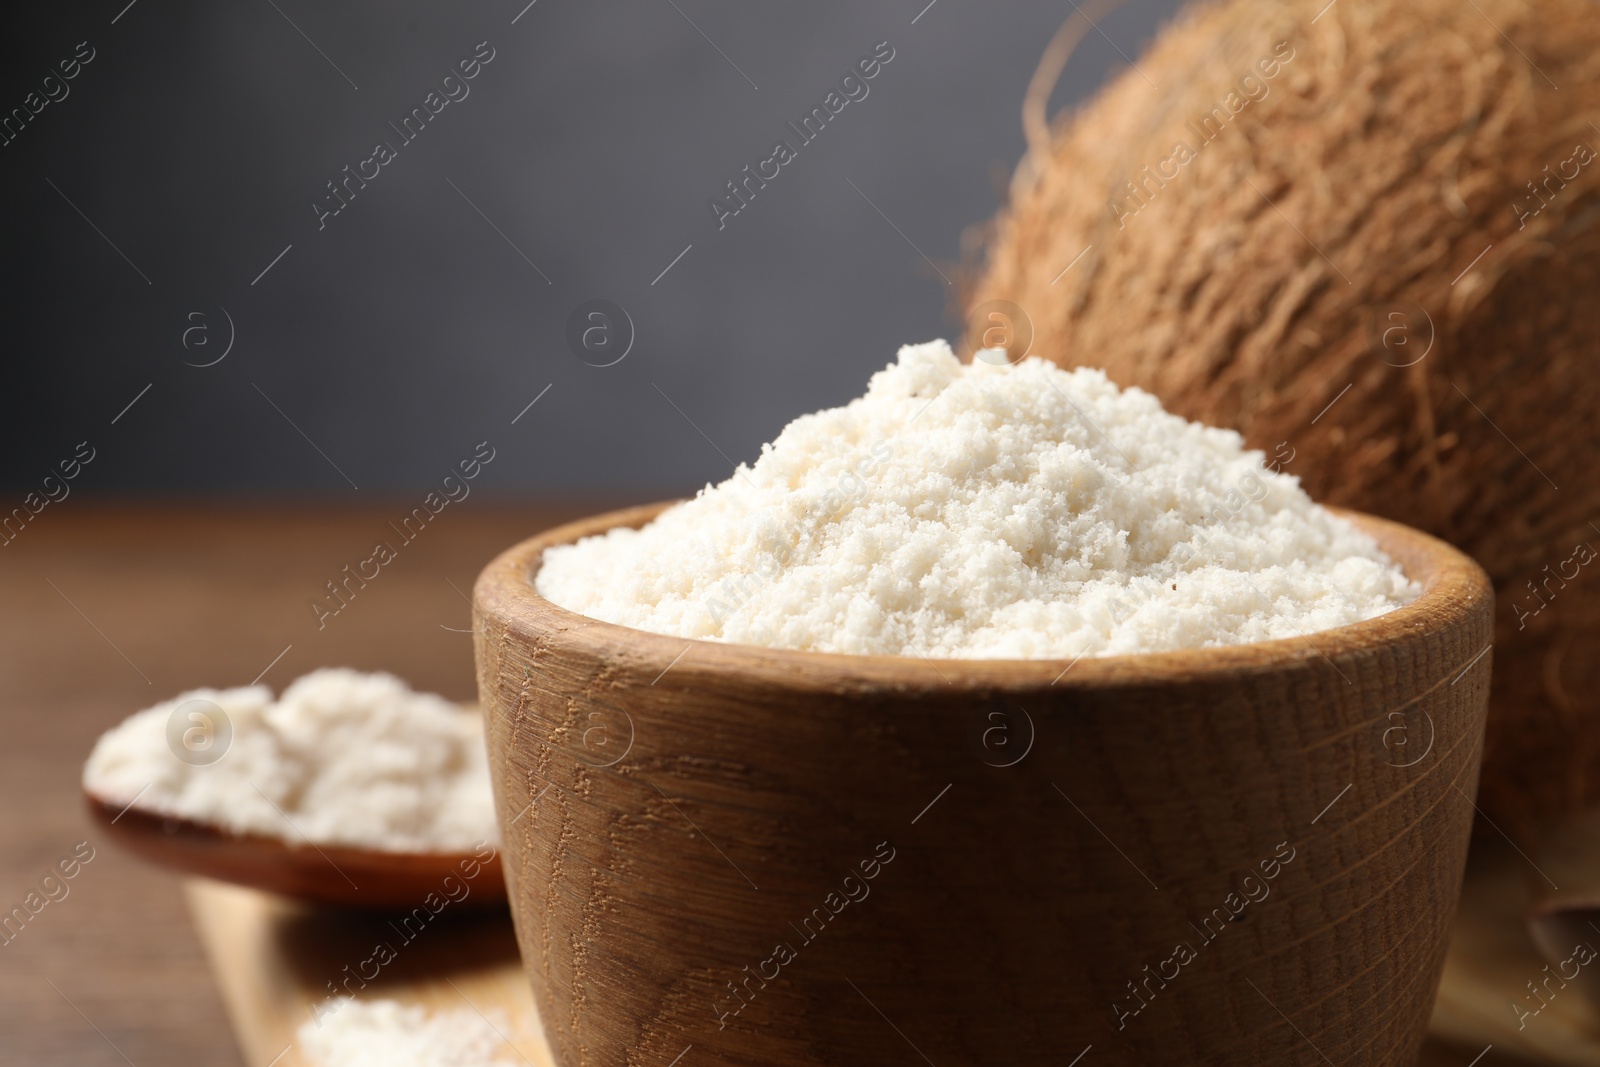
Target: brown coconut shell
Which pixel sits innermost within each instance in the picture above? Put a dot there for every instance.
(1351, 268)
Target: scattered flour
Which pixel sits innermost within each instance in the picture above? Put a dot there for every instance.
(988, 511)
(385, 1033)
(347, 758)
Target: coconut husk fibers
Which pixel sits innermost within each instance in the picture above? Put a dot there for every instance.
(1258, 286)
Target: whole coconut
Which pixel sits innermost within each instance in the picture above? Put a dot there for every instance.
(1366, 234)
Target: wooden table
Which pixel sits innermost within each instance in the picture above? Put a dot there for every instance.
(110, 609)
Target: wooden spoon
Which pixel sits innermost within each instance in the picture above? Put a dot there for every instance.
(327, 874)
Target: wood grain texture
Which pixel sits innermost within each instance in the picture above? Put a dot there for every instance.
(271, 956)
(327, 874)
(1491, 960)
(273, 959)
(690, 825)
(185, 595)
(207, 595)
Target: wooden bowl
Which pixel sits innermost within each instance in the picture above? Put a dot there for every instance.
(739, 855)
(325, 874)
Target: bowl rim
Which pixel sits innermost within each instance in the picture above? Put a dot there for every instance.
(1452, 582)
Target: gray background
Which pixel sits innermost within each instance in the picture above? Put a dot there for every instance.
(409, 329)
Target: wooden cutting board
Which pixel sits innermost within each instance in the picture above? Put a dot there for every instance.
(273, 961)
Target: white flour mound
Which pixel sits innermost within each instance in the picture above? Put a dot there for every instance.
(343, 758)
(386, 1033)
(988, 511)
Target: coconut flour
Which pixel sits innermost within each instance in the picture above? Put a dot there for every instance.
(387, 1033)
(988, 511)
(343, 758)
